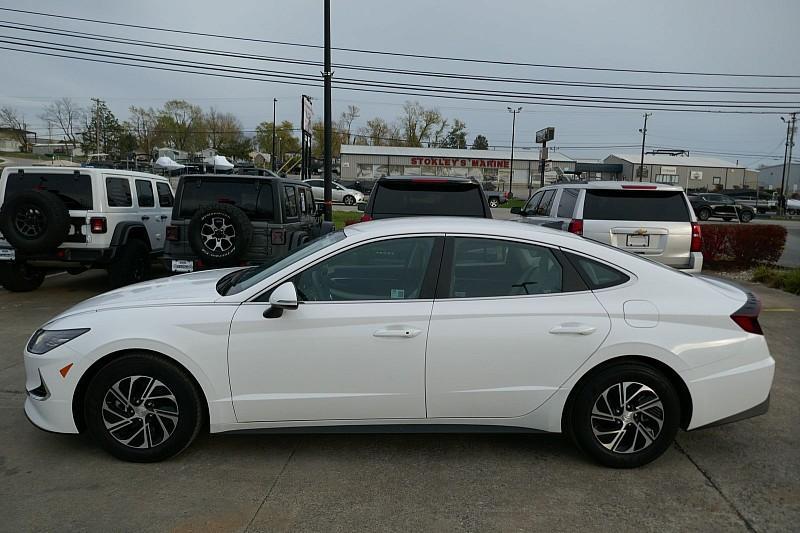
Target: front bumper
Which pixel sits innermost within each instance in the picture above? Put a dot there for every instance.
(51, 411)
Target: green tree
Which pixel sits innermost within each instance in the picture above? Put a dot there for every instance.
(181, 125)
(456, 137)
(143, 124)
(285, 141)
(101, 131)
(480, 143)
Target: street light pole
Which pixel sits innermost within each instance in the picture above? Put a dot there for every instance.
(274, 126)
(328, 133)
(513, 131)
(644, 136)
(787, 158)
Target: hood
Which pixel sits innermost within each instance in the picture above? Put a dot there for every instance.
(197, 287)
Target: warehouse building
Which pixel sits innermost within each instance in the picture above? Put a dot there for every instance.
(491, 167)
(770, 178)
(690, 172)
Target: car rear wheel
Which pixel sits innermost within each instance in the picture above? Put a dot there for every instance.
(625, 416)
(704, 213)
(349, 200)
(494, 202)
(746, 216)
(21, 277)
(131, 264)
(142, 408)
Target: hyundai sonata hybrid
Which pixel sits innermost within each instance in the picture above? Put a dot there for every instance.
(411, 324)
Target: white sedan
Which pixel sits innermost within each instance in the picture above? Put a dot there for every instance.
(419, 323)
(339, 193)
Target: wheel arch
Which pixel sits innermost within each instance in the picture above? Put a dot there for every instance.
(681, 388)
(126, 231)
(83, 383)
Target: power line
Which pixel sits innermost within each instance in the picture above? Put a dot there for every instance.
(385, 70)
(403, 89)
(400, 54)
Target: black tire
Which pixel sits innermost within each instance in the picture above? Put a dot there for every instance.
(34, 221)
(791, 212)
(581, 424)
(762, 210)
(349, 200)
(494, 202)
(704, 213)
(746, 216)
(220, 234)
(131, 264)
(134, 372)
(727, 219)
(21, 277)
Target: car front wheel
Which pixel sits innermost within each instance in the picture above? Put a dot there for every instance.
(746, 216)
(349, 200)
(625, 416)
(142, 408)
(704, 213)
(494, 202)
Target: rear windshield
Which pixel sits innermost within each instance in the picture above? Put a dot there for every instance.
(253, 196)
(649, 205)
(75, 190)
(409, 198)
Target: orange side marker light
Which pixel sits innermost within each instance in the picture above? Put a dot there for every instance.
(65, 370)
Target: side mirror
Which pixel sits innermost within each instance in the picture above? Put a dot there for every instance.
(284, 297)
(362, 207)
(516, 211)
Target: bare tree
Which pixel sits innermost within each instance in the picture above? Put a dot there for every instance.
(346, 122)
(143, 123)
(11, 118)
(67, 115)
(420, 125)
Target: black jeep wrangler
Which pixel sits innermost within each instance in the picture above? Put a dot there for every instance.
(233, 220)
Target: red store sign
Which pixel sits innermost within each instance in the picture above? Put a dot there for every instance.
(449, 162)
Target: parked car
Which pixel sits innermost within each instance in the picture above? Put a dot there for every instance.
(712, 205)
(75, 219)
(362, 186)
(792, 206)
(385, 325)
(228, 220)
(761, 201)
(405, 196)
(648, 219)
(339, 193)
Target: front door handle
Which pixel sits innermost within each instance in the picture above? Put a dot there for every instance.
(145, 217)
(397, 331)
(573, 328)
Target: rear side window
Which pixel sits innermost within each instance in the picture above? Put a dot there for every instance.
(596, 274)
(566, 206)
(650, 205)
(75, 190)
(118, 192)
(253, 196)
(165, 198)
(410, 198)
(144, 193)
(291, 202)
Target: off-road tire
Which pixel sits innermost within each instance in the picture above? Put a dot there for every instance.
(220, 234)
(34, 221)
(131, 264)
(20, 277)
(102, 407)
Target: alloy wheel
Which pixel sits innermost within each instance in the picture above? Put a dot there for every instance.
(30, 221)
(218, 234)
(627, 417)
(140, 412)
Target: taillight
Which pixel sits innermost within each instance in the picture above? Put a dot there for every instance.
(98, 224)
(365, 218)
(278, 236)
(697, 238)
(173, 233)
(747, 315)
(575, 226)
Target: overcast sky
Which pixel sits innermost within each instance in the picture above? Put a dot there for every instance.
(735, 36)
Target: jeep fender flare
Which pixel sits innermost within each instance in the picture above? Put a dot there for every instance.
(124, 230)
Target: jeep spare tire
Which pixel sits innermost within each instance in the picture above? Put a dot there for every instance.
(34, 221)
(220, 234)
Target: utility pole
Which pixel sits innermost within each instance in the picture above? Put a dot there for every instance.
(644, 136)
(97, 125)
(328, 133)
(274, 126)
(787, 158)
(513, 130)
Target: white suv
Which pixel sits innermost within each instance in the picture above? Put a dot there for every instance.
(79, 218)
(649, 219)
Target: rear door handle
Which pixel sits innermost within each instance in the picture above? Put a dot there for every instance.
(573, 328)
(397, 331)
(145, 217)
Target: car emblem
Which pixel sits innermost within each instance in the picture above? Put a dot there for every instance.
(641, 231)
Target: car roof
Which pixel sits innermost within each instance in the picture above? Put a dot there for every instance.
(84, 170)
(616, 185)
(430, 179)
(248, 177)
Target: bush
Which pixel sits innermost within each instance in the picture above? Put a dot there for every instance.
(740, 246)
(788, 280)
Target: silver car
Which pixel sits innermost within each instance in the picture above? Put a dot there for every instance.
(649, 219)
(339, 193)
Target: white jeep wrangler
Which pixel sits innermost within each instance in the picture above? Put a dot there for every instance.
(78, 218)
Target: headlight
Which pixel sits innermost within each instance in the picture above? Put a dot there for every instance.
(45, 340)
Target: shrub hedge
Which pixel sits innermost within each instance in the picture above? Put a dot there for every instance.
(732, 246)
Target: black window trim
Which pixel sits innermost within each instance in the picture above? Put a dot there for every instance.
(630, 275)
(446, 270)
(126, 179)
(153, 194)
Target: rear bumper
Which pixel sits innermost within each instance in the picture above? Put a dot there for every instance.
(695, 263)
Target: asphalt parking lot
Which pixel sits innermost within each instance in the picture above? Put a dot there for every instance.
(742, 477)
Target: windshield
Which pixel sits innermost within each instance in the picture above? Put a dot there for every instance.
(248, 277)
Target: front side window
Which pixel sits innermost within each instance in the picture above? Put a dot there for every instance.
(118, 191)
(391, 269)
(291, 202)
(491, 268)
(144, 193)
(530, 207)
